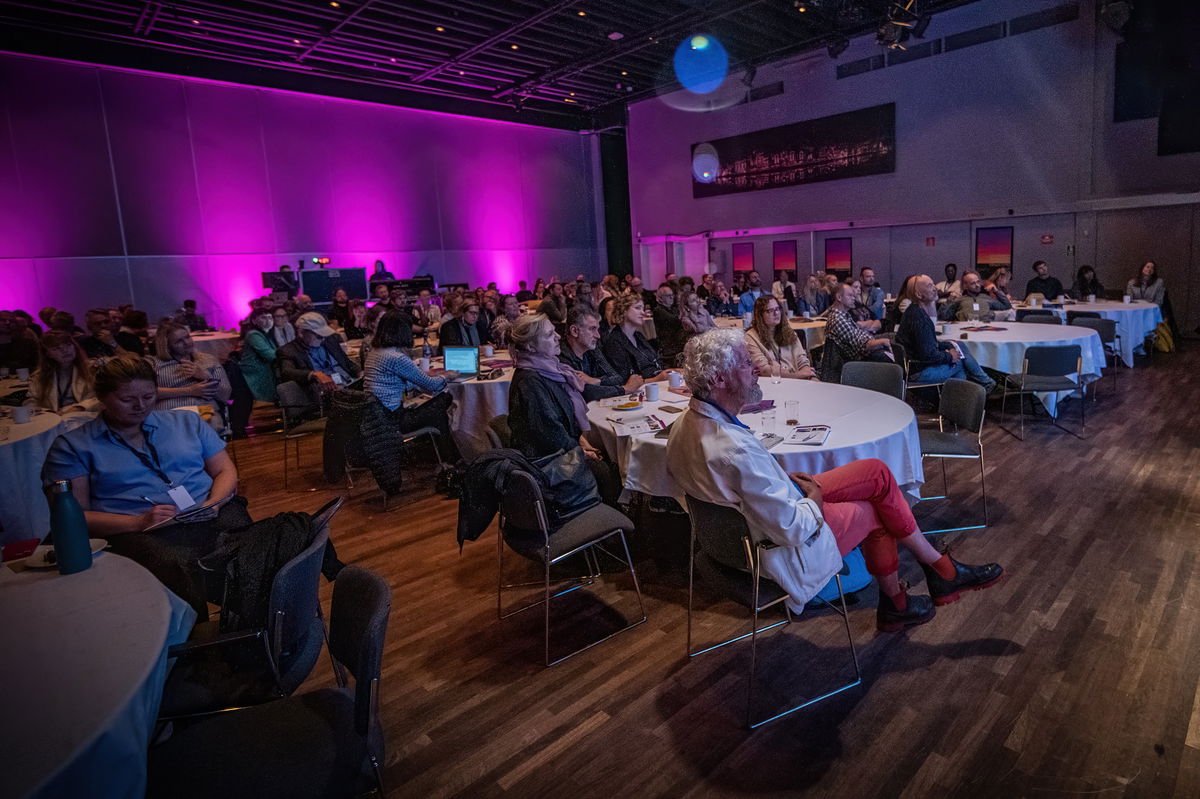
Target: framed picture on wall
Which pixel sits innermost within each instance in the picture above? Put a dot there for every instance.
(743, 256)
(839, 256)
(993, 249)
(783, 257)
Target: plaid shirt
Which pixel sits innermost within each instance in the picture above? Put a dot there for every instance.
(850, 339)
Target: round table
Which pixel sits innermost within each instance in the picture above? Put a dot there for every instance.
(864, 424)
(811, 331)
(476, 402)
(23, 508)
(1004, 350)
(217, 343)
(1134, 320)
(85, 659)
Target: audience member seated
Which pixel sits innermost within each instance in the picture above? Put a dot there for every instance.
(133, 468)
(186, 377)
(463, 330)
(625, 347)
(63, 380)
(694, 317)
(974, 304)
(554, 304)
(64, 320)
(539, 289)
(101, 341)
(1086, 285)
(258, 357)
(579, 352)
(282, 331)
(546, 409)
(814, 300)
(381, 273)
(131, 336)
(773, 344)
(523, 292)
(23, 323)
(997, 285)
(951, 287)
(489, 310)
(811, 519)
(339, 309)
(381, 293)
(1147, 285)
(872, 293)
(426, 314)
(390, 372)
(668, 326)
(18, 350)
(720, 302)
(903, 299)
(315, 359)
(356, 321)
(846, 341)
(189, 318)
(752, 292)
(303, 304)
(783, 289)
(861, 313)
(1042, 283)
(930, 360)
(510, 312)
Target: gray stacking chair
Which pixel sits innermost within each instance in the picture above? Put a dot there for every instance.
(293, 402)
(729, 562)
(525, 528)
(886, 378)
(1109, 338)
(1046, 369)
(1042, 319)
(326, 743)
(963, 406)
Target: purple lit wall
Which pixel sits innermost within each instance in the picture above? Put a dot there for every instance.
(123, 186)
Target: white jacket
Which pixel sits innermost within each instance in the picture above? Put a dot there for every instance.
(716, 461)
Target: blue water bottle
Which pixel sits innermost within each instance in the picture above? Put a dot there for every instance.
(69, 528)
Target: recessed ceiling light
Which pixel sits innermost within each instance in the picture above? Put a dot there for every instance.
(616, 36)
(623, 72)
(195, 22)
(440, 29)
(460, 72)
(334, 4)
(568, 100)
(295, 41)
(572, 94)
(581, 13)
(513, 46)
(393, 61)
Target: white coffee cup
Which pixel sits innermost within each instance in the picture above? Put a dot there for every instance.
(945, 328)
(652, 392)
(1091, 298)
(489, 350)
(674, 379)
(3, 371)
(1127, 299)
(1034, 302)
(22, 373)
(888, 298)
(424, 364)
(808, 315)
(22, 414)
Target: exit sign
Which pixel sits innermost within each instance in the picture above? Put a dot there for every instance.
(931, 241)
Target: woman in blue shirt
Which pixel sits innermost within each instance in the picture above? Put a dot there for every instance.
(390, 372)
(133, 468)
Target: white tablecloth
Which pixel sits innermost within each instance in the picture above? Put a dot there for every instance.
(865, 424)
(811, 331)
(216, 343)
(1004, 350)
(23, 508)
(84, 662)
(1134, 321)
(475, 403)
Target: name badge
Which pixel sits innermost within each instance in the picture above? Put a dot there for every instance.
(975, 306)
(180, 496)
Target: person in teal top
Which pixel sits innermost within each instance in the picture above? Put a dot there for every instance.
(258, 357)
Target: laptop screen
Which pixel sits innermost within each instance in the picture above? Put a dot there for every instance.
(464, 360)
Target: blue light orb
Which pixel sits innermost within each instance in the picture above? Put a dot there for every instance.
(705, 164)
(701, 63)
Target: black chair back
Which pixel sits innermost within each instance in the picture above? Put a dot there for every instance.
(522, 505)
(499, 426)
(294, 613)
(719, 532)
(1042, 319)
(358, 620)
(886, 378)
(1073, 315)
(293, 401)
(1107, 328)
(1056, 361)
(963, 404)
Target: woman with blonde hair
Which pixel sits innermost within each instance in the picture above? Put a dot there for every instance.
(63, 380)
(626, 348)
(694, 317)
(773, 344)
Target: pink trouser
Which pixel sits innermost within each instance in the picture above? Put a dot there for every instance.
(863, 505)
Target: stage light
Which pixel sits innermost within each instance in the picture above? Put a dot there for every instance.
(701, 64)
(705, 164)
(699, 42)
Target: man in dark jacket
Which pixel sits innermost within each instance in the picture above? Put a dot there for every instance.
(314, 359)
(462, 331)
(1042, 283)
(579, 352)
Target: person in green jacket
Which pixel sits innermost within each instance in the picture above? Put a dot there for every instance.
(258, 357)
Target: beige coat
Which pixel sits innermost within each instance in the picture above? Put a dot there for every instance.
(764, 356)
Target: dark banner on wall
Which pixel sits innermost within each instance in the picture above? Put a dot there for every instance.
(848, 145)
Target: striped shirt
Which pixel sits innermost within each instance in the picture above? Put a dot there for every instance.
(389, 372)
(170, 375)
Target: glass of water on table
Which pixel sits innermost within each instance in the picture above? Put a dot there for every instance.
(791, 413)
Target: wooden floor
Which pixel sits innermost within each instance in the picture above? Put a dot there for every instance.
(1078, 675)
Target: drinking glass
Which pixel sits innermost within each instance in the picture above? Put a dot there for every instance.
(768, 421)
(791, 413)
(776, 373)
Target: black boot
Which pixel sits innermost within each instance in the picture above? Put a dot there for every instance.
(889, 620)
(966, 578)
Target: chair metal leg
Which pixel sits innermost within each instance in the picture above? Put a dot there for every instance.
(983, 488)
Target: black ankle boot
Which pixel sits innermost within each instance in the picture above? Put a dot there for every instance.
(966, 578)
(889, 620)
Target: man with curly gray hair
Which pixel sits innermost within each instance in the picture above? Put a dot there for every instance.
(813, 519)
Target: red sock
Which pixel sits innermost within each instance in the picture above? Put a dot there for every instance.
(900, 600)
(944, 567)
